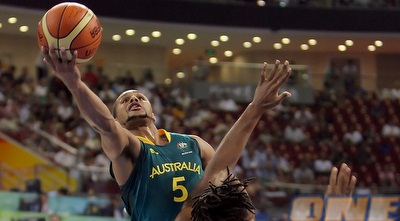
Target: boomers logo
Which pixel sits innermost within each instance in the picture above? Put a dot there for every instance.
(343, 208)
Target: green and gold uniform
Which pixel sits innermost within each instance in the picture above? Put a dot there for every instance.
(162, 178)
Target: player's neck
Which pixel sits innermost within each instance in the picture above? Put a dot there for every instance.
(150, 132)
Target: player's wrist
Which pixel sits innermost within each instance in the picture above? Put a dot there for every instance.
(255, 108)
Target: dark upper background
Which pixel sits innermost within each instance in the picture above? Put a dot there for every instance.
(241, 14)
(240, 20)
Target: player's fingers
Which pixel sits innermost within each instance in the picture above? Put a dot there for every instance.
(352, 185)
(274, 70)
(52, 53)
(46, 57)
(283, 77)
(283, 95)
(74, 56)
(45, 54)
(263, 74)
(64, 58)
(333, 177)
(343, 179)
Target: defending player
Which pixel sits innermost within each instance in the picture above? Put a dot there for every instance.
(225, 198)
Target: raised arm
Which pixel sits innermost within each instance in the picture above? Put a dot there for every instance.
(266, 96)
(113, 136)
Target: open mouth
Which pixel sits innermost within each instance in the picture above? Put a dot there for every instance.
(134, 107)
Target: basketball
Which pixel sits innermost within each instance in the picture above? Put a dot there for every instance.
(73, 26)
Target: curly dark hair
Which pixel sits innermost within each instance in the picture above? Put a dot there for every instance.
(228, 202)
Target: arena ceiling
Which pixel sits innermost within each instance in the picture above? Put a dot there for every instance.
(327, 41)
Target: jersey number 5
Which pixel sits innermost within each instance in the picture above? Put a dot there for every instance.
(179, 187)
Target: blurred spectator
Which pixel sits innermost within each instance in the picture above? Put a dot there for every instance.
(65, 158)
(252, 161)
(200, 70)
(353, 135)
(284, 167)
(148, 79)
(41, 67)
(55, 217)
(226, 103)
(44, 203)
(115, 209)
(386, 174)
(90, 77)
(322, 166)
(41, 90)
(184, 99)
(303, 116)
(303, 174)
(293, 133)
(106, 93)
(65, 110)
(391, 128)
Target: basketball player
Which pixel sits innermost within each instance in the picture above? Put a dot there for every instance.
(155, 169)
(219, 195)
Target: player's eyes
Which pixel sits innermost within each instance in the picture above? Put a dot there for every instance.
(142, 98)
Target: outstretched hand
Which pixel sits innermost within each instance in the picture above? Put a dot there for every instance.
(341, 182)
(63, 68)
(267, 94)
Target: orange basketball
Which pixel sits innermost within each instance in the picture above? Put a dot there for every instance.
(73, 26)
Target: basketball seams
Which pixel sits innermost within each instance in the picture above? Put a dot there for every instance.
(59, 30)
(83, 60)
(73, 26)
(69, 39)
(51, 40)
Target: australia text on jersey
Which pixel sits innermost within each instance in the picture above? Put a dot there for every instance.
(176, 166)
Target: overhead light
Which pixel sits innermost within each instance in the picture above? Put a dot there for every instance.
(277, 46)
(176, 51)
(191, 36)
(215, 43)
(378, 43)
(282, 4)
(228, 53)
(349, 43)
(23, 28)
(167, 81)
(342, 48)
(156, 34)
(1, 25)
(261, 3)
(130, 32)
(256, 39)
(312, 41)
(371, 48)
(116, 37)
(285, 41)
(304, 47)
(213, 60)
(145, 39)
(179, 41)
(12, 20)
(247, 44)
(224, 38)
(180, 75)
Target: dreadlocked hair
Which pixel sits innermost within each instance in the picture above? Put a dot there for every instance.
(228, 202)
